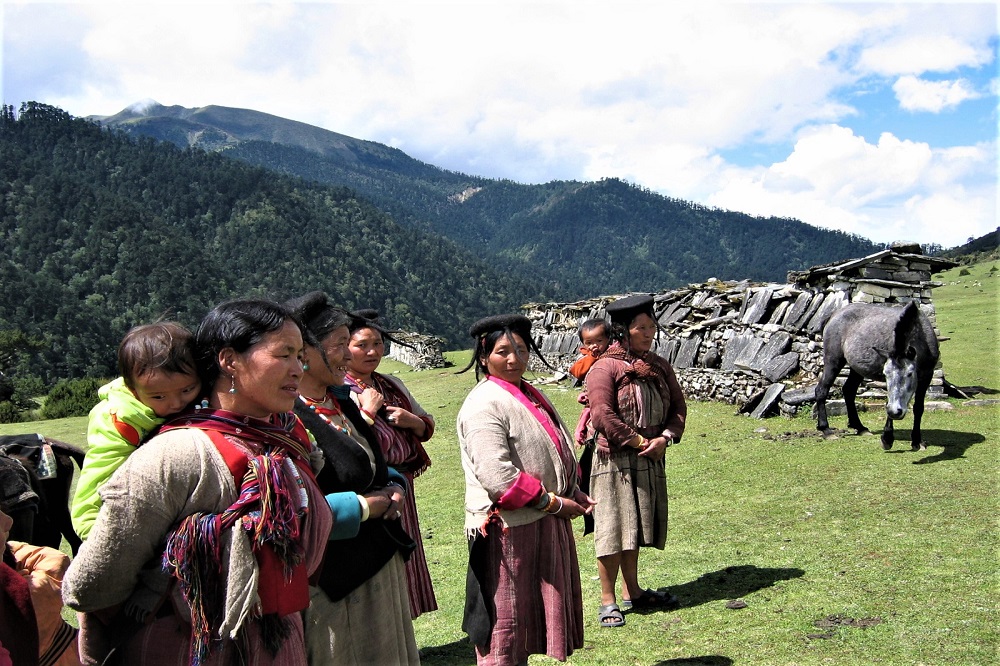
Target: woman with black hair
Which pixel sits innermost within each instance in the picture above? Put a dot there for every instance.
(360, 611)
(401, 426)
(229, 488)
(637, 410)
(523, 593)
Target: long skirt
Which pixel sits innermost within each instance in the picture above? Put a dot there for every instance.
(631, 495)
(371, 625)
(418, 577)
(533, 579)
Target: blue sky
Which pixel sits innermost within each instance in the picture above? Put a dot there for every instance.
(878, 119)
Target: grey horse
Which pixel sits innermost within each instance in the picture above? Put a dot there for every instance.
(888, 342)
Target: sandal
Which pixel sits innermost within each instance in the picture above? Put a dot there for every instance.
(650, 599)
(610, 616)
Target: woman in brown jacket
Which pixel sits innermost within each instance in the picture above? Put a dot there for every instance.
(637, 411)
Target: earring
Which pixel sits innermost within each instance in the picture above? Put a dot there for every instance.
(232, 388)
(305, 367)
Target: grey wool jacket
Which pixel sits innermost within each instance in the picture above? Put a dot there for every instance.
(500, 438)
(173, 475)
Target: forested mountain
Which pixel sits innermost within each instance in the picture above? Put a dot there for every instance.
(579, 239)
(984, 248)
(102, 231)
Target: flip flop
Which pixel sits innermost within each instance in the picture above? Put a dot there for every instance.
(652, 599)
(610, 616)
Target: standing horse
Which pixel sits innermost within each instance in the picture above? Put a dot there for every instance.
(888, 342)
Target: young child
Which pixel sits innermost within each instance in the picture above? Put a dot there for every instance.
(595, 336)
(158, 379)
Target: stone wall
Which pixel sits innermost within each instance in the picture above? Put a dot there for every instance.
(734, 341)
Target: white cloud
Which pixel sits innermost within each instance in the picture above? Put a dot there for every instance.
(661, 94)
(914, 38)
(892, 190)
(919, 95)
(915, 54)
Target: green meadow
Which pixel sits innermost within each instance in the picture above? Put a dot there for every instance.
(784, 547)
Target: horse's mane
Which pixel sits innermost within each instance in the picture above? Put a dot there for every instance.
(908, 321)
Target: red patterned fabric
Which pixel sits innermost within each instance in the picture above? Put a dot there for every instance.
(533, 580)
(403, 450)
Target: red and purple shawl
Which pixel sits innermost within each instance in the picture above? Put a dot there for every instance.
(269, 461)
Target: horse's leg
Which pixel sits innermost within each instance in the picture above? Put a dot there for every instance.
(850, 393)
(917, 442)
(60, 499)
(830, 372)
(888, 434)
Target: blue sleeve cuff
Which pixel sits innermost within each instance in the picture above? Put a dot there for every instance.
(346, 515)
(399, 479)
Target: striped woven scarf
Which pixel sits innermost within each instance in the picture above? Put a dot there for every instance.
(271, 505)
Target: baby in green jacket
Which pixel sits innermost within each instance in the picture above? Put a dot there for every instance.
(158, 379)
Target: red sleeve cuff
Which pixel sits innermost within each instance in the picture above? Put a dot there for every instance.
(521, 493)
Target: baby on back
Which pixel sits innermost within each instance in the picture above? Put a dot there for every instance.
(158, 379)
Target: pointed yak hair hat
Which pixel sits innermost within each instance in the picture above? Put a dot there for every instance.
(513, 322)
(624, 310)
(369, 318)
(318, 314)
(371, 314)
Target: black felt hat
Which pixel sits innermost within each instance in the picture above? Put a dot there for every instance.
(513, 322)
(370, 314)
(319, 316)
(369, 318)
(365, 318)
(624, 310)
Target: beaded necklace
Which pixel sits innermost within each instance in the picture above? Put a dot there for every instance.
(388, 397)
(328, 410)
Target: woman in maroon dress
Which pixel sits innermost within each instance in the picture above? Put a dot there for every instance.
(402, 426)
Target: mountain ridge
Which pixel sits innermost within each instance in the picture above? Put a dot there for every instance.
(558, 230)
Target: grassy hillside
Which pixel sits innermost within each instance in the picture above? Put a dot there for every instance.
(842, 553)
(968, 314)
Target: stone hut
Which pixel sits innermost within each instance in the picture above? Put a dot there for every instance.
(737, 342)
(419, 351)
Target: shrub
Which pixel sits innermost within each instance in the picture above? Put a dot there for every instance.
(71, 397)
(9, 413)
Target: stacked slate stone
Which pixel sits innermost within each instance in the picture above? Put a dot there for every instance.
(758, 345)
(420, 352)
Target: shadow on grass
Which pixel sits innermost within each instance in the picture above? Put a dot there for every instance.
(953, 444)
(727, 584)
(707, 660)
(456, 652)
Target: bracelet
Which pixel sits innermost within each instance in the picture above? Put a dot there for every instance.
(554, 500)
(543, 502)
(365, 509)
(643, 443)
